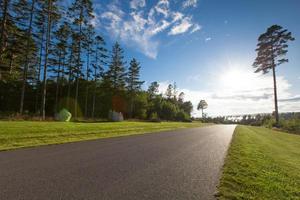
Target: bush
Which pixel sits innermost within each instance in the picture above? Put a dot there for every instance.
(168, 110)
(291, 125)
(182, 116)
(154, 117)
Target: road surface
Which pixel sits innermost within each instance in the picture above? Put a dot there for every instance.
(182, 164)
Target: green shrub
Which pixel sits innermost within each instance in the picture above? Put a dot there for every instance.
(154, 117)
(182, 116)
(291, 125)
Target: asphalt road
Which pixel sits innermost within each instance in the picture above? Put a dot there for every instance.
(183, 164)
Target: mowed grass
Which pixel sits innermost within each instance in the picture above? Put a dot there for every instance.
(261, 164)
(26, 134)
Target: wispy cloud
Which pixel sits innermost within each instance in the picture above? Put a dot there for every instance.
(141, 25)
(208, 39)
(183, 26)
(135, 4)
(189, 3)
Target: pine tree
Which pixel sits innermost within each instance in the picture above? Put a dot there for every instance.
(271, 49)
(5, 20)
(201, 106)
(60, 53)
(133, 81)
(115, 78)
(52, 15)
(81, 12)
(24, 16)
(100, 56)
(89, 50)
(116, 72)
(169, 92)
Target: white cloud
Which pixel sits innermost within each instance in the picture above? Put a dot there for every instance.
(195, 28)
(182, 27)
(135, 4)
(189, 3)
(242, 92)
(208, 39)
(140, 27)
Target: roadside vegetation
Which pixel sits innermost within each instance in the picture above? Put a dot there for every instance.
(25, 133)
(288, 122)
(261, 164)
(53, 58)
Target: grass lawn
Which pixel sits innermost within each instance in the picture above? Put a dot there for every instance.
(25, 133)
(261, 164)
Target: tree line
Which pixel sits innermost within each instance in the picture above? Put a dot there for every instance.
(51, 57)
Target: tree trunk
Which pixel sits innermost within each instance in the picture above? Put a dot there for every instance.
(275, 97)
(94, 93)
(38, 81)
(202, 113)
(24, 79)
(3, 27)
(46, 60)
(57, 83)
(87, 82)
(79, 63)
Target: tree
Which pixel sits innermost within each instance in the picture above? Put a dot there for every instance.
(271, 50)
(116, 72)
(133, 81)
(24, 15)
(60, 53)
(202, 105)
(48, 37)
(90, 33)
(169, 92)
(153, 89)
(181, 97)
(99, 60)
(81, 11)
(116, 78)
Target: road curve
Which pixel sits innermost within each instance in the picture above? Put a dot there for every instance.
(182, 164)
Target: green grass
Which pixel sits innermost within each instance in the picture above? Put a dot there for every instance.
(26, 134)
(261, 164)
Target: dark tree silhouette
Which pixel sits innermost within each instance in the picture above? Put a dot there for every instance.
(202, 105)
(271, 50)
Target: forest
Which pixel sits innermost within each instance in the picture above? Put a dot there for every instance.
(52, 58)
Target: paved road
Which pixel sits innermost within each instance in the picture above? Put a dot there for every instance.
(183, 164)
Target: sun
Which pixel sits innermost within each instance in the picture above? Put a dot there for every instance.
(234, 80)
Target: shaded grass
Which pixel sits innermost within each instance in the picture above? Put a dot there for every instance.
(25, 133)
(261, 164)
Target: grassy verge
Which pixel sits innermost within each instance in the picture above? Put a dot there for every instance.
(261, 164)
(25, 134)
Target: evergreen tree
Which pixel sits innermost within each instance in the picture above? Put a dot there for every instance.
(81, 13)
(52, 15)
(153, 89)
(169, 91)
(201, 106)
(271, 49)
(133, 81)
(100, 56)
(59, 53)
(116, 72)
(89, 50)
(24, 16)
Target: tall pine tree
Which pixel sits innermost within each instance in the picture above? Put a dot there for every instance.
(271, 50)
(81, 13)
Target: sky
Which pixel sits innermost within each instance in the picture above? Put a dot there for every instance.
(207, 47)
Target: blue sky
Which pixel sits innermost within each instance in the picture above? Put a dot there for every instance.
(207, 47)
